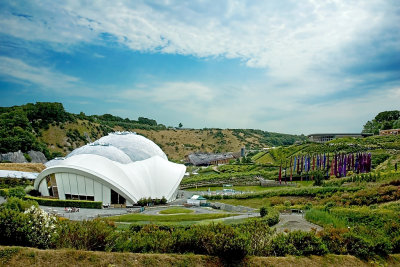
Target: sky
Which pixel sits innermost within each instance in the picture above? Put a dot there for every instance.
(296, 67)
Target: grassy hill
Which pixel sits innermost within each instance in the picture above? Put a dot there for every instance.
(47, 127)
(18, 256)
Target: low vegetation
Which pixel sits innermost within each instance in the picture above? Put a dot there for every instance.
(168, 218)
(175, 210)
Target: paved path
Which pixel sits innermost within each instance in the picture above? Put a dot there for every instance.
(294, 221)
(84, 214)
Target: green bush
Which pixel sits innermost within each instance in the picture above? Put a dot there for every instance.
(33, 228)
(298, 243)
(259, 235)
(85, 235)
(27, 157)
(4, 192)
(263, 211)
(300, 192)
(16, 192)
(18, 204)
(216, 239)
(358, 245)
(66, 203)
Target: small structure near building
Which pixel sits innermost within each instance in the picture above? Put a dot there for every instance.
(326, 137)
(205, 159)
(273, 183)
(18, 174)
(196, 200)
(390, 132)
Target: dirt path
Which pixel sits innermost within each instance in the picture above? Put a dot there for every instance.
(293, 222)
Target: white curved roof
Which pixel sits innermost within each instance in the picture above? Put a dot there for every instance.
(154, 177)
(108, 151)
(131, 164)
(137, 147)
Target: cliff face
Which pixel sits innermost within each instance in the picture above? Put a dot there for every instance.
(18, 157)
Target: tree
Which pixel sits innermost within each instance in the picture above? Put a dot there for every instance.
(180, 125)
(263, 211)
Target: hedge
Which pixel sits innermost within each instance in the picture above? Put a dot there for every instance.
(308, 191)
(3, 192)
(67, 203)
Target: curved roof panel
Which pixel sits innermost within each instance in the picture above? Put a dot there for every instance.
(107, 151)
(137, 147)
(154, 177)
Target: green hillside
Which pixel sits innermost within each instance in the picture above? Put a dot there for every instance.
(48, 128)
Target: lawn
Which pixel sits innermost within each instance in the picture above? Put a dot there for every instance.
(176, 210)
(257, 203)
(253, 188)
(168, 218)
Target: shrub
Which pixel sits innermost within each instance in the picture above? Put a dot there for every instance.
(357, 245)
(272, 217)
(334, 239)
(13, 228)
(263, 211)
(18, 204)
(16, 192)
(85, 235)
(4, 192)
(223, 241)
(66, 203)
(298, 243)
(35, 193)
(308, 206)
(28, 189)
(33, 228)
(328, 206)
(259, 235)
(41, 227)
(27, 157)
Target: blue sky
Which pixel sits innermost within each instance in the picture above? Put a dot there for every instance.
(282, 66)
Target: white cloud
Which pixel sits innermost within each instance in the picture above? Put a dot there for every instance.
(171, 93)
(42, 76)
(45, 78)
(254, 107)
(288, 38)
(304, 47)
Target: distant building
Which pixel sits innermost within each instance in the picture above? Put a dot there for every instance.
(325, 137)
(204, 159)
(18, 174)
(390, 132)
(196, 200)
(242, 152)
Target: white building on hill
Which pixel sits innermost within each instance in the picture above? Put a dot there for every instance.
(120, 168)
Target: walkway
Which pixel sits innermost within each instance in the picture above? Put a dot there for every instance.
(84, 214)
(294, 221)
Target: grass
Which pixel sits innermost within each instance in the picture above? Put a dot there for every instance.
(176, 211)
(266, 159)
(257, 203)
(168, 218)
(323, 218)
(69, 257)
(23, 167)
(254, 188)
(305, 183)
(24, 256)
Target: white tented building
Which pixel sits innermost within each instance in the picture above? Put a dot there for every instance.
(118, 169)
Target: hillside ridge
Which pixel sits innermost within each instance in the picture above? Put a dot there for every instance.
(48, 128)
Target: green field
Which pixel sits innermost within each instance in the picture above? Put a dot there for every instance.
(168, 218)
(254, 188)
(176, 210)
(265, 159)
